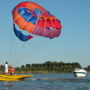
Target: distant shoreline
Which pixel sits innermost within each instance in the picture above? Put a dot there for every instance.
(47, 67)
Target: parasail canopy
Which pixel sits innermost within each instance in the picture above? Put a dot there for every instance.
(33, 18)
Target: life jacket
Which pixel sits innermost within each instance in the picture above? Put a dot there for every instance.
(11, 70)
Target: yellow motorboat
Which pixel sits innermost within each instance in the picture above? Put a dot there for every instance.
(13, 77)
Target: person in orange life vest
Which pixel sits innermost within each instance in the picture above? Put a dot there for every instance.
(11, 70)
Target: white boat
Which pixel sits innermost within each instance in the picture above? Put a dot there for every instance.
(80, 72)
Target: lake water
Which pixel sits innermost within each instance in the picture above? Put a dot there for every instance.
(49, 82)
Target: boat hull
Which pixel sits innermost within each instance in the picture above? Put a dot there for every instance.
(13, 77)
(79, 74)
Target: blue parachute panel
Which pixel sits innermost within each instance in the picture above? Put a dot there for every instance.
(21, 36)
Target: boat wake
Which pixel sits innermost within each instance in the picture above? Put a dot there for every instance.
(62, 79)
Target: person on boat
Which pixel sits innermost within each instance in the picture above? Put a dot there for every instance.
(11, 70)
(6, 68)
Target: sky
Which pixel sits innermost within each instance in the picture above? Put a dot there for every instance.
(73, 45)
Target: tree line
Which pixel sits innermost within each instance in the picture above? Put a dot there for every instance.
(47, 67)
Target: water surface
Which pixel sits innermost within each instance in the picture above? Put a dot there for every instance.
(49, 82)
